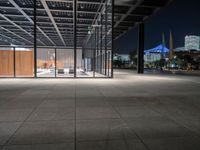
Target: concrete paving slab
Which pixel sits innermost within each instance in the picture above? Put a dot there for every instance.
(111, 145)
(7, 130)
(131, 111)
(61, 146)
(103, 129)
(44, 132)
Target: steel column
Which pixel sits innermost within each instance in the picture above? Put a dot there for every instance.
(75, 38)
(140, 61)
(94, 52)
(97, 50)
(55, 61)
(106, 19)
(112, 36)
(35, 38)
(14, 63)
(101, 44)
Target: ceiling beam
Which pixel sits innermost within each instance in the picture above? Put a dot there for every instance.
(7, 37)
(52, 20)
(6, 18)
(48, 27)
(151, 6)
(99, 12)
(58, 23)
(52, 10)
(79, 2)
(47, 17)
(16, 35)
(138, 3)
(31, 21)
(43, 47)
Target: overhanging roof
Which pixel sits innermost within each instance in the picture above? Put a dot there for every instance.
(128, 13)
(55, 19)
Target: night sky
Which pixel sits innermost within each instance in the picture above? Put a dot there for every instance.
(181, 17)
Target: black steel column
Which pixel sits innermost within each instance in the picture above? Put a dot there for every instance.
(94, 52)
(55, 61)
(101, 44)
(112, 36)
(140, 61)
(75, 37)
(35, 38)
(97, 50)
(106, 19)
(83, 57)
(14, 63)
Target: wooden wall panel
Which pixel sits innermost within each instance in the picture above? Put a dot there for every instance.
(6, 63)
(24, 63)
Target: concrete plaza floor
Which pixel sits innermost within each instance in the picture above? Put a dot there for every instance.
(129, 112)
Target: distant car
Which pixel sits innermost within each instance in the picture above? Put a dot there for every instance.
(71, 70)
(61, 71)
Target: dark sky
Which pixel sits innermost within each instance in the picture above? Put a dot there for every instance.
(182, 17)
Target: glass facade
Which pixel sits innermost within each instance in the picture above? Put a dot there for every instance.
(192, 42)
(96, 51)
(65, 63)
(45, 62)
(50, 38)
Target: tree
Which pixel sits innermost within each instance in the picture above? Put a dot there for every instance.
(133, 56)
(117, 63)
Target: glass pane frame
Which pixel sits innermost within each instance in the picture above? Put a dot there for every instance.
(46, 62)
(7, 63)
(101, 33)
(93, 66)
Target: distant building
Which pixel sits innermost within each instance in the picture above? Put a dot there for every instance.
(155, 54)
(192, 42)
(179, 49)
(122, 57)
(152, 57)
(122, 61)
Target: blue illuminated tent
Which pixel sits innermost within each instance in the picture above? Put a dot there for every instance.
(157, 49)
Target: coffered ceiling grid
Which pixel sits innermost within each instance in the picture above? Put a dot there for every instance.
(55, 19)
